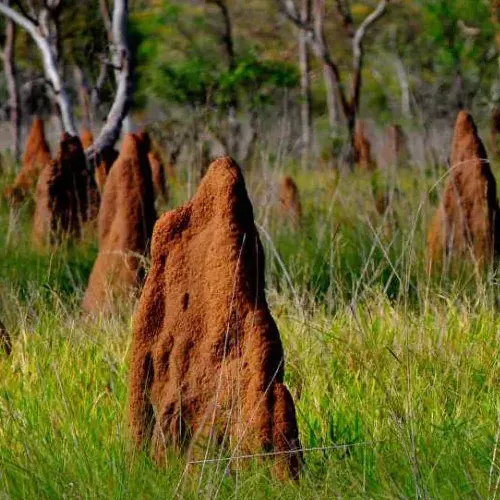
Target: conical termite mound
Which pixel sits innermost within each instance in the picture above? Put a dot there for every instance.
(86, 138)
(466, 220)
(126, 221)
(395, 151)
(207, 360)
(66, 195)
(157, 168)
(289, 196)
(5, 342)
(362, 149)
(36, 156)
(102, 165)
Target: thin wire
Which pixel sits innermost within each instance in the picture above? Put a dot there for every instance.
(287, 452)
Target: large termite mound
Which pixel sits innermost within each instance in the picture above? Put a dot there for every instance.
(395, 151)
(466, 222)
(207, 360)
(362, 149)
(36, 156)
(126, 221)
(66, 195)
(289, 196)
(5, 342)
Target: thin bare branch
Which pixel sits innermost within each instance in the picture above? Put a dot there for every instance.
(29, 15)
(345, 13)
(49, 59)
(357, 48)
(106, 18)
(121, 58)
(8, 57)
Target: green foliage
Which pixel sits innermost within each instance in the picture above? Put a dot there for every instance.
(195, 71)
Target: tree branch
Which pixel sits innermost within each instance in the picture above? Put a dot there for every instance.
(345, 13)
(227, 36)
(112, 128)
(23, 21)
(357, 48)
(106, 18)
(31, 16)
(49, 64)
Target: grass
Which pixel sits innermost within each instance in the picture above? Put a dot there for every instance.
(395, 376)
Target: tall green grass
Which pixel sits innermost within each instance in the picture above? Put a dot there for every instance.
(395, 376)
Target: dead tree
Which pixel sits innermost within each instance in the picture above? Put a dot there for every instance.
(348, 99)
(41, 28)
(84, 98)
(305, 81)
(9, 66)
(226, 40)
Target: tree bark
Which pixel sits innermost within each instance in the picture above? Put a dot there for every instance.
(123, 74)
(404, 85)
(10, 75)
(49, 59)
(84, 98)
(121, 62)
(331, 99)
(316, 39)
(305, 83)
(234, 127)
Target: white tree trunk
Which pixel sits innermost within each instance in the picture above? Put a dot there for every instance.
(123, 74)
(49, 59)
(331, 99)
(10, 75)
(121, 62)
(305, 82)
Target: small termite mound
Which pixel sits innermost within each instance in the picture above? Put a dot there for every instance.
(126, 221)
(494, 131)
(86, 138)
(465, 225)
(289, 196)
(36, 156)
(395, 153)
(102, 165)
(66, 195)
(157, 168)
(362, 149)
(5, 341)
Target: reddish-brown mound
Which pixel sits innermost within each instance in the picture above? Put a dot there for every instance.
(395, 148)
(36, 156)
(5, 342)
(464, 224)
(494, 131)
(290, 200)
(362, 149)
(66, 195)
(126, 221)
(103, 165)
(158, 173)
(86, 138)
(207, 360)
(382, 201)
(157, 168)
